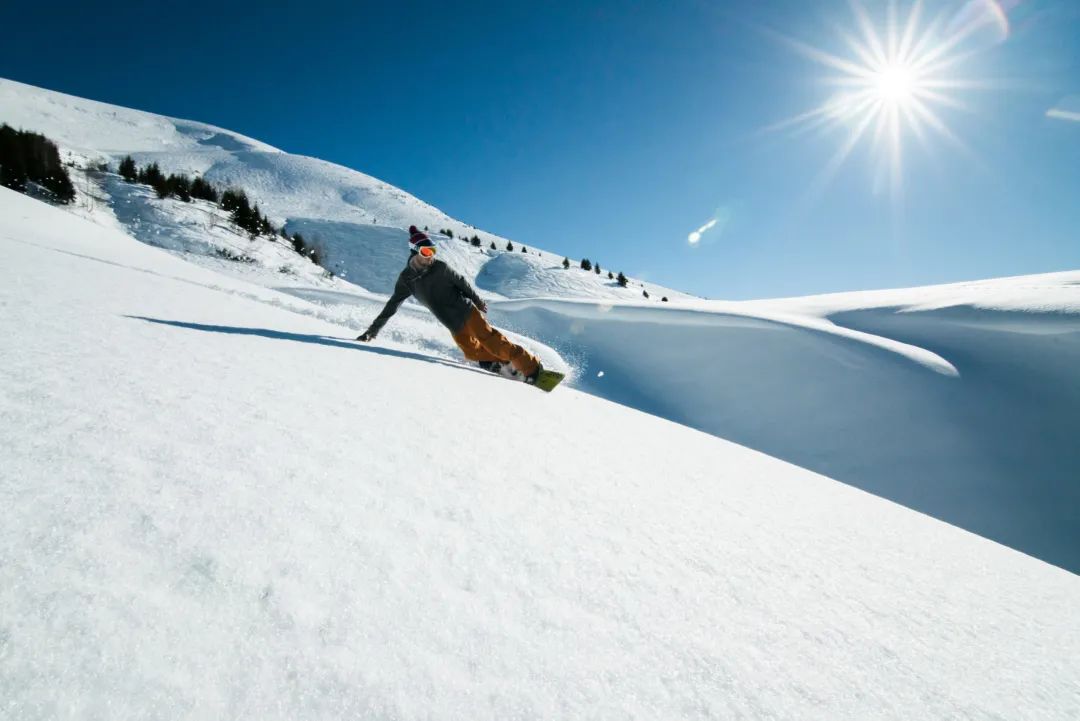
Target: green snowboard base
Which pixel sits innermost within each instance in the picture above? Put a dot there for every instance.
(547, 380)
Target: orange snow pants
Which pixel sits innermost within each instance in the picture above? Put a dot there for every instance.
(480, 342)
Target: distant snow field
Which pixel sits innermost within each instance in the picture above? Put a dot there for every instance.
(220, 506)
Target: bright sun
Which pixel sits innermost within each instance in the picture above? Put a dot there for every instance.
(895, 84)
(891, 82)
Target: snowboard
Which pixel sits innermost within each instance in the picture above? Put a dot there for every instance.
(546, 381)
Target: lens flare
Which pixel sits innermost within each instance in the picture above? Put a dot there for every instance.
(695, 237)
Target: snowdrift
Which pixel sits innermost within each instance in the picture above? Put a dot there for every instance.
(969, 414)
(217, 507)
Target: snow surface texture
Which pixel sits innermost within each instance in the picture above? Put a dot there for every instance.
(216, 507)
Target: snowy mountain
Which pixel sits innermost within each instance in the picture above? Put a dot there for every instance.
(216, 506)
(358, 222)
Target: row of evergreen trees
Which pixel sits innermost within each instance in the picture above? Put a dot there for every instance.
(30, 158)
(245, 214)
(476, 242)
(175, 186)
(587, 264)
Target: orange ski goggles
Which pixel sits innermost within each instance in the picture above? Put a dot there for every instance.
(428, 251)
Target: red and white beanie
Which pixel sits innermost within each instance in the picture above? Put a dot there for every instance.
(418, 239)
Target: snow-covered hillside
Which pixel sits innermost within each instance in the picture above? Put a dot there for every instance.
(356, 221)
(216, 506)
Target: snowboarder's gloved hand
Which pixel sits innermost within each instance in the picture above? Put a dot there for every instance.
(366, 336)
(482, 307)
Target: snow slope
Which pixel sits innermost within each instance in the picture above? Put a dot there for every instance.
(960, 401)
(356, 220)
(217, 507)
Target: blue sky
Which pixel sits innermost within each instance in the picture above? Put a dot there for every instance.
(612, 130)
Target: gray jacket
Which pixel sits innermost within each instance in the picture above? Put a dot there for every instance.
(440, 288)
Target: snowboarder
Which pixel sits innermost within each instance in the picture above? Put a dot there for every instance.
(452, 299)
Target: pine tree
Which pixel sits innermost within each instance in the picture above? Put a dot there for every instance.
(236, 202)
(597, 268)
(13, 170)
(475, 241)
(151, 175)
(622, 279)
(27, 157)
(265, 226)
(645, 293)
(565, 263)
(524, 249)
(610, 276)
(493, 245)
(586, 264)
(179, 186)
(664, 299)
(298, 244)
(255, 221)
(509, 246)
(127, 169)
(203, 190)
(228, 200)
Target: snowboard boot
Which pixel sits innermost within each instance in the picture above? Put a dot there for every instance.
(531, 379)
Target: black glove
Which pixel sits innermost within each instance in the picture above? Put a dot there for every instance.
(366, 337)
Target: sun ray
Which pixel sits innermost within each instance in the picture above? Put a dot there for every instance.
(957, 84)
(913, 121)
(870, 36)
(826, 174)
(909, 32)
(825, 58)
(940, 99)
(862, 51)
(893, 43)
(931, 118)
